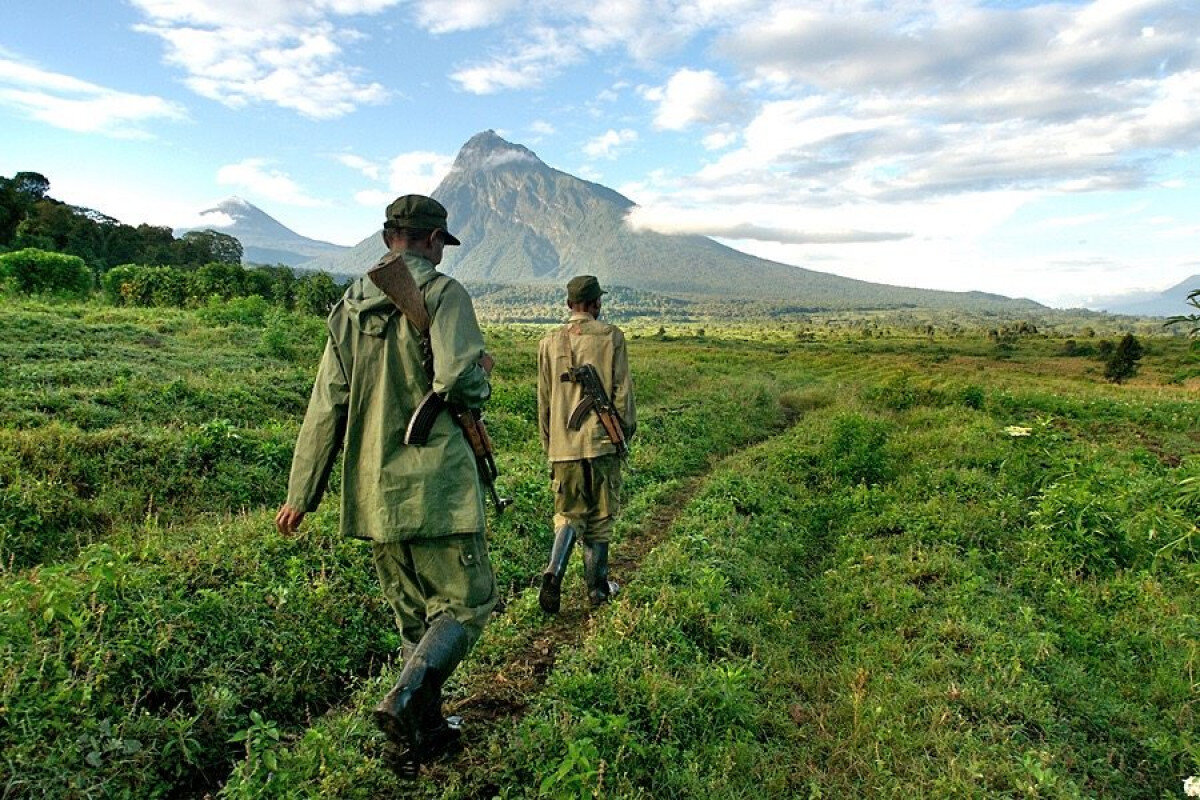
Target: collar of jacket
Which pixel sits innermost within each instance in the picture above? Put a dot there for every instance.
(422, 270)
(580, 316)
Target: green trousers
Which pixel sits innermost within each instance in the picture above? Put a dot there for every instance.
(422, 578)
(587, 494)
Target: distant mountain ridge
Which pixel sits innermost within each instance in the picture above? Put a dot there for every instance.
(1167, 303)
(264, 239)
(523, 222)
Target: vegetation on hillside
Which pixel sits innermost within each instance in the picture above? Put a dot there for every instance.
(30, 218)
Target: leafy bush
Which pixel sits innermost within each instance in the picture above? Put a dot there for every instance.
(250, 311)
(1123, 363)
(32, 271)
(140, 285)
(857, 451)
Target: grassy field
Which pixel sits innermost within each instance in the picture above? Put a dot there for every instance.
(858, 560)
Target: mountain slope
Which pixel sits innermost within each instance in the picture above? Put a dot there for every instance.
(522, 221)
(1167, 303)
(264, 239)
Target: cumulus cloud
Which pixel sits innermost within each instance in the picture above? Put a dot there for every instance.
(359, 164)
(903, 101)
(256, 177)
(418, 172)
(277, 52)
(714, 223)
(542, 39)
(607, 144)
(448, 16)
(77, 105)
(692, 96)
(542, 52)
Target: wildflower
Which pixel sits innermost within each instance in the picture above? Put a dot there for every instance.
(1191, 787)
(1017, 430)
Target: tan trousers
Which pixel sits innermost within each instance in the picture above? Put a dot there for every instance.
(587, 494)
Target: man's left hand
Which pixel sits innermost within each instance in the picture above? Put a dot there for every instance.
(288, 519)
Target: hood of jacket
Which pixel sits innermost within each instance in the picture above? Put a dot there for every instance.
(369, 309)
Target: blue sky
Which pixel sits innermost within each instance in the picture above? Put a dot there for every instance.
(1045, 150)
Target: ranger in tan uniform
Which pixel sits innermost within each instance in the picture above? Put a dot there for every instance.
(584, 463)
(421, 507)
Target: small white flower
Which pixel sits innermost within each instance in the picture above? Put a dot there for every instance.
(1017, 430)
(1191, 787)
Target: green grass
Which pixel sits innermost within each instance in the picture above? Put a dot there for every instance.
(876, 589)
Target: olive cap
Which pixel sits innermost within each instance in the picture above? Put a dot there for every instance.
(420, 213)
(583, 289)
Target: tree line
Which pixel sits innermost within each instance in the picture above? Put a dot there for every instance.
(50, 248)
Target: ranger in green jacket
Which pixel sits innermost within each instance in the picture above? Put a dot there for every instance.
(421, 507)
(585, 465)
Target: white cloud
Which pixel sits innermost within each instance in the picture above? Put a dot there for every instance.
(692, 96)
(544, 38)
(442, 16)
(359, 164)
(720, 139)
(713, 222)
(283, 53)
(255, 177)
(540, 54)
(77, 105)
(418, 172)
(542, 128)
(608, 143)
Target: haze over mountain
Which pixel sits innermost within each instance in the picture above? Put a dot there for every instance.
(1169, 302)
(264, 239)
(523, 222)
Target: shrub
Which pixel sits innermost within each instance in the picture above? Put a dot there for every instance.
(250, 311)
(117, 283)
(857, 450)
(32, 271)
(1122, 363)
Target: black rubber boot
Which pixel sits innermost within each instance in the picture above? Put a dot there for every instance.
(595, 570)
(410, 715)
(550, 596)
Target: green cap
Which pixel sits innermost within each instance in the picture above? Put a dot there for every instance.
(583, 289)
(420, 213)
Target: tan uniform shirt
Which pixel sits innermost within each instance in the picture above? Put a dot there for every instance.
(582, 340)
(367, 387)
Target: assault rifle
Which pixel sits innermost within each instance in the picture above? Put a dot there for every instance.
(392, 277)
(595, 399)
(471, 422)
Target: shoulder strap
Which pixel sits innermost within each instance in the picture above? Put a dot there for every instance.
(564, 344)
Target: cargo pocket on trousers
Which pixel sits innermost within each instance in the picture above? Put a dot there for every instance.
(478, 570)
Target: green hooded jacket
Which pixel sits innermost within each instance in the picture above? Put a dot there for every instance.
(368, 385)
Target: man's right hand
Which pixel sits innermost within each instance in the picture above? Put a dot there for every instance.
(288, 519)
(487, 362)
